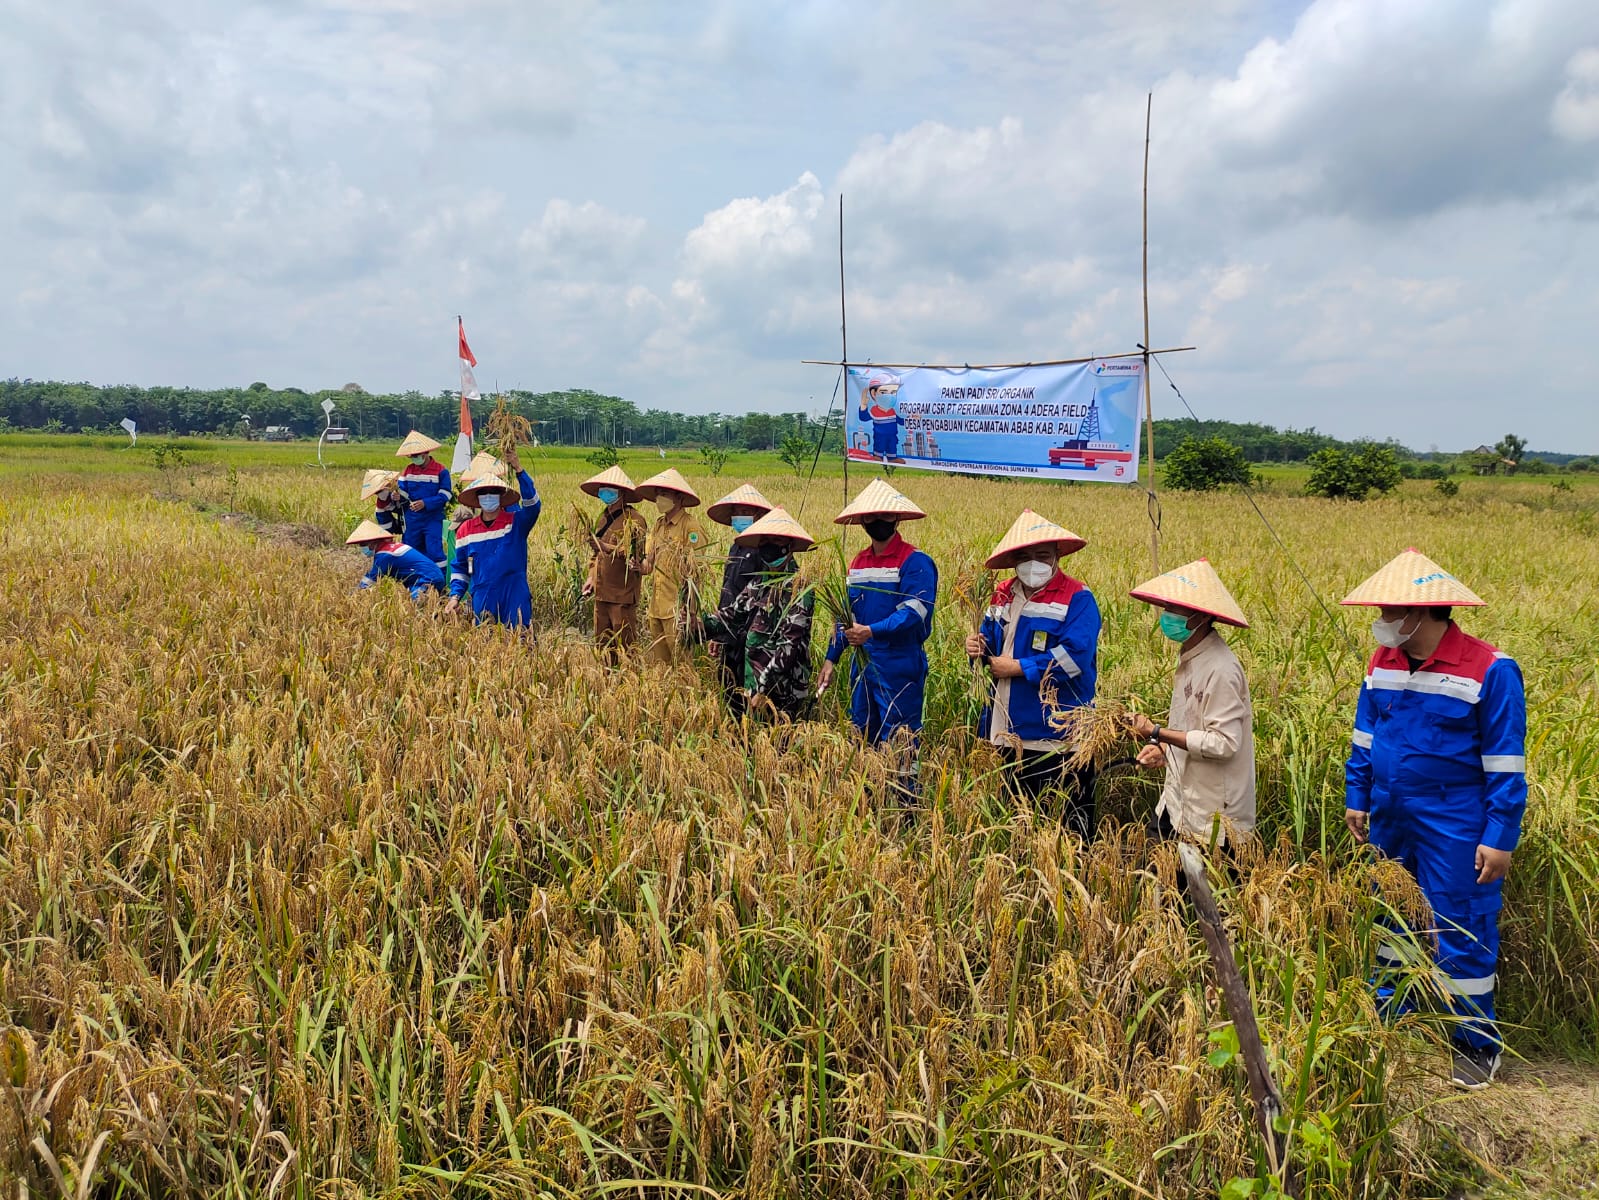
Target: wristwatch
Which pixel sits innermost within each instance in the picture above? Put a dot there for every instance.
(1154, 738)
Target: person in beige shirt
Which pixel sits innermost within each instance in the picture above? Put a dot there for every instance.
(1208, 743)
(676, 547)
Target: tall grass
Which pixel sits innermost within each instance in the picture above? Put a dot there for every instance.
(304, 893)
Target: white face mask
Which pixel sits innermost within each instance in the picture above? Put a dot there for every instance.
(489, 502)
(1388, 633)
(1035, 574)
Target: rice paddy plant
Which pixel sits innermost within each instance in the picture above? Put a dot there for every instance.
(305, 893)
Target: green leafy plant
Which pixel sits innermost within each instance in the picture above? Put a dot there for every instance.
(1205, 464)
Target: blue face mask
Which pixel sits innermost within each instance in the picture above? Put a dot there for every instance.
(369, 550)
(489, 502)
(1175, 627)
(740, 524)
(609, 495)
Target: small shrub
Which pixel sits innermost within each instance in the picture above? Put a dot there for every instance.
(1447, 488)
(1353, 474)
(605, 456)
(1205, 464)
(713, 459)
(794, 450)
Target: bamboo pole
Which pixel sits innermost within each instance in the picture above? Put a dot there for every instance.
(843, 333)
(1051, 362)
(1263, 1091)
(1149, 405)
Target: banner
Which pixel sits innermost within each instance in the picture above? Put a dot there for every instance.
(1077, 421)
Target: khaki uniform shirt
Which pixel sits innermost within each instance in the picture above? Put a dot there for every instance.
(677, 540)
(625, 538)
(1216, 774)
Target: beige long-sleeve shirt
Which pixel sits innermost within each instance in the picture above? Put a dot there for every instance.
(1216, 774)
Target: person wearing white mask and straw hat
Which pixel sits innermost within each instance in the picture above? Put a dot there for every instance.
(1040, 645)
(739, 509)
(1437, 781)
(1208, 743)
(672, 556)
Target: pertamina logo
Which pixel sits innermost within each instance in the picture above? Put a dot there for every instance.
(1117, 368)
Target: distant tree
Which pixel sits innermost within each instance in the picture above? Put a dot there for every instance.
(1353, 474)
(795, 451)
(605, 456)
(1580, 465)
(1511, 448)
(759, 431)
(1447, 488)
(1205, 464)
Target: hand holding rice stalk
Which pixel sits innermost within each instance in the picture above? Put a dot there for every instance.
(973, 591)
(1096, 732)
(832, 595)
(507, 429)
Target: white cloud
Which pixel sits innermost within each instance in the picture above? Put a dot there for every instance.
(1364, 213)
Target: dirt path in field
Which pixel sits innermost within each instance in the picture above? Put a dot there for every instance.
(1538, 1126)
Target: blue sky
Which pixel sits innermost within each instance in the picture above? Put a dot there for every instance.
(1376, 218)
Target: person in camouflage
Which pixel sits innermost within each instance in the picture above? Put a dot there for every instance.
(776, 616)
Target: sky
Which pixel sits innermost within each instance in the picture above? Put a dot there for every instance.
(1379, 218)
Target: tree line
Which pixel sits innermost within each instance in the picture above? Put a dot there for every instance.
(581, 417)
(574, 417)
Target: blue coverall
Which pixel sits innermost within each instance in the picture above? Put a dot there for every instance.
(891, 593)
(1439, 762)
(407, 564)
(491, 559)
(429, 483)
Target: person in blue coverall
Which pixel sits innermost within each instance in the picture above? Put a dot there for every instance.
(1437, 780)
(393, 559)
(1040, 645)
(491, 548)
(425, 485)
(892, 586)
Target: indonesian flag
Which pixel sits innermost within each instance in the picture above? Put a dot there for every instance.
(469, 392)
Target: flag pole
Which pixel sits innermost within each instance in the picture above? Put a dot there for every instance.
(1149, 407)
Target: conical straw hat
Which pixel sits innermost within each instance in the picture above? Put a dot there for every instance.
(669, 481)
(610, 477)
(416, 443)
(490, 483)
(375, 481)
(776, 523)
(483, 463)
(1030, 529)
(1194, 586)
(743, 496)
(368, 531)
(878, 499)
(1413, 580)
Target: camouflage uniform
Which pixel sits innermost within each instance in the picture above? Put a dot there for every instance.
(777, 644)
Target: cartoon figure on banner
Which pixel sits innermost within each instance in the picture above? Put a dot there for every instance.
(879, 405)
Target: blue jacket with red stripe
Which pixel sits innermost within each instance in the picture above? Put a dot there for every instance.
(429, 483)
(1057, 645)
(1443, 748)
(405, 563)
(491, 559)
(892, 593)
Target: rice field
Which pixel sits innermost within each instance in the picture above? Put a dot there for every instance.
(307, 893)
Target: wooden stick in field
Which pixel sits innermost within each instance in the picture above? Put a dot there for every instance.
(1235, 995)
(1149, 405)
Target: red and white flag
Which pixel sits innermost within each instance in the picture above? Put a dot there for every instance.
(469, 392)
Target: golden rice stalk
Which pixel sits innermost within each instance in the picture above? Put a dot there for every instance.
(1097, 732)
(507, 429)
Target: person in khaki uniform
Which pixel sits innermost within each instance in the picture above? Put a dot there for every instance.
(616, 572)
(677, 542)
(1208, 748)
